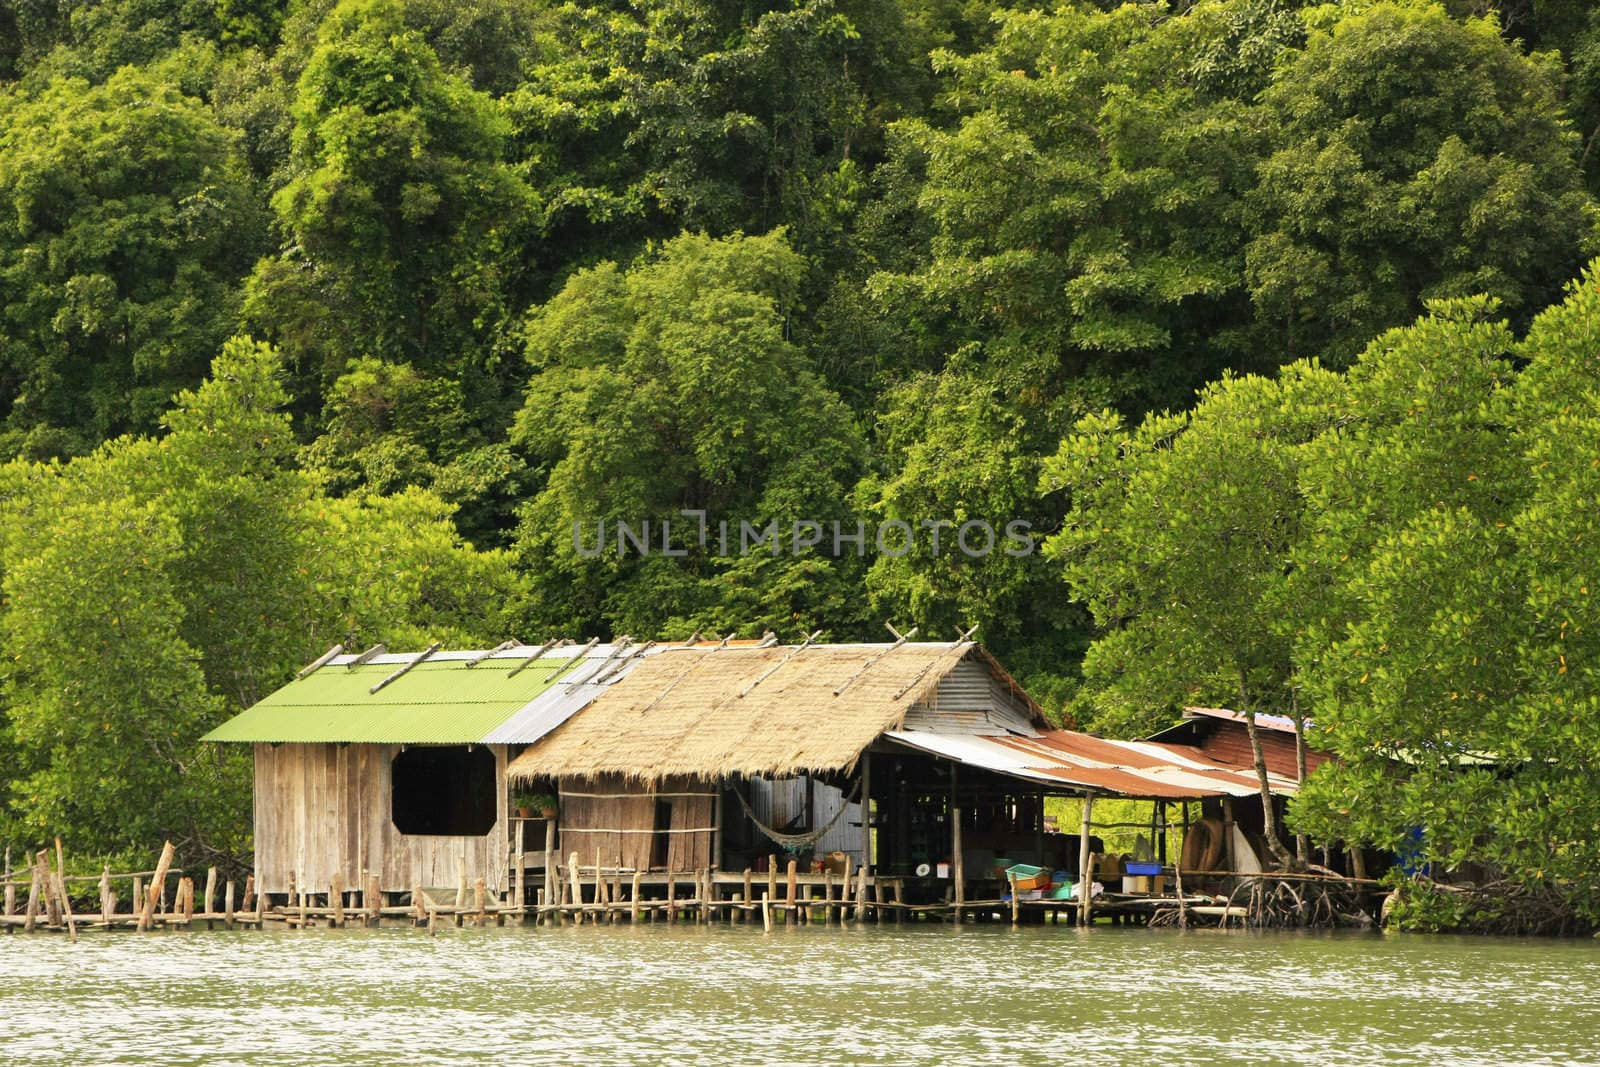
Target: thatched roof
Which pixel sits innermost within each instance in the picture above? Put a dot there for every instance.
(711, 712)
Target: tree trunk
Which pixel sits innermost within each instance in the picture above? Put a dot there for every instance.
(1269, 816)
(1302, 843)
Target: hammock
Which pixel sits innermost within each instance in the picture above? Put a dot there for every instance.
(796, 842)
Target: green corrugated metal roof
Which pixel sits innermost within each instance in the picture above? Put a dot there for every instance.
(438, 701)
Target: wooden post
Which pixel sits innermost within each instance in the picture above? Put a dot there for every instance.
(1085, 881)
(108, 906)
(747, 898)
(374, 900)
(52, 906)
(10, 904)
(958, 864)
(1016, 901)
(552, 875)
(766, 914)
(336, 898)
(633, 902)
(136, 903)
(577, 887)
(209, 902)
(866, 812)
(877, 899)
(61, 889)
(227, 904)
(480, 893)
(672, 895)
(788, 898)
(772, 877)
(844, 889)
(185, 902)
(1183, 909)
(716, 828)
(419, 909)
(31, 915)
(1227, 835)
(148, 907)
(249, 892)
(827, 897)
(519, 882)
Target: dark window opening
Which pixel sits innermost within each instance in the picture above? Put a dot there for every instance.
(661, 841)
(448, 790)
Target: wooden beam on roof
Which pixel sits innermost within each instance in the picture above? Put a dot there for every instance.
(960, 640)
(801, 647)
(618, 659)
(900, 639)
(722, 644)
(317, 664)
(415, 660)
(481, 656)
(541, 650)
(371, 653)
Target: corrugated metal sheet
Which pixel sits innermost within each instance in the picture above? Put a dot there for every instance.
(1065, 757)
(971, 700)
(568, 696)
(440, 701)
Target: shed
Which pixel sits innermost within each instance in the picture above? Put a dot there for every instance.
(394, 765)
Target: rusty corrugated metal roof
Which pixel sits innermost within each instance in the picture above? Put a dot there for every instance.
(1068, 758)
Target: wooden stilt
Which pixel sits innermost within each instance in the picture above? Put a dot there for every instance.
(336, 900)
(61, 891)
(373, 898)
(480, 893)
(633, 899)
(52, 905)
(788, 895)
(577, 888)
(844, 889)
(31, 914)
(1085, 879)
(249, 892)
(148, 906)
(108, 906)
(958, 866)
(227, 904)
(209, 901)
(672, 895)
(419, 909)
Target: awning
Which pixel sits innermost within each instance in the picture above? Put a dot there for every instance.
(1072, 760)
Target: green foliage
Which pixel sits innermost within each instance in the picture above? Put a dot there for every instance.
(405, 225)
(1400, 552)
(1413, 157)
(127, 223)
(162, 583)
(669, 386)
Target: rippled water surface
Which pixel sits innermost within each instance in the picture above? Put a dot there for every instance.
(720, 994)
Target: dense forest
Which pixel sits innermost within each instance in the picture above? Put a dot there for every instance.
(335, 320)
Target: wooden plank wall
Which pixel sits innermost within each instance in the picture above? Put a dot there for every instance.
(633, 810)
(325, 809)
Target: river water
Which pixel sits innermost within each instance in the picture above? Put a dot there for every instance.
(719, 994)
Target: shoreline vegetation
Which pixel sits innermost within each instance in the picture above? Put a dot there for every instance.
(1272, 325)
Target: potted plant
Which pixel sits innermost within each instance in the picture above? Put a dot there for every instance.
(522, 805)
(527, 804)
